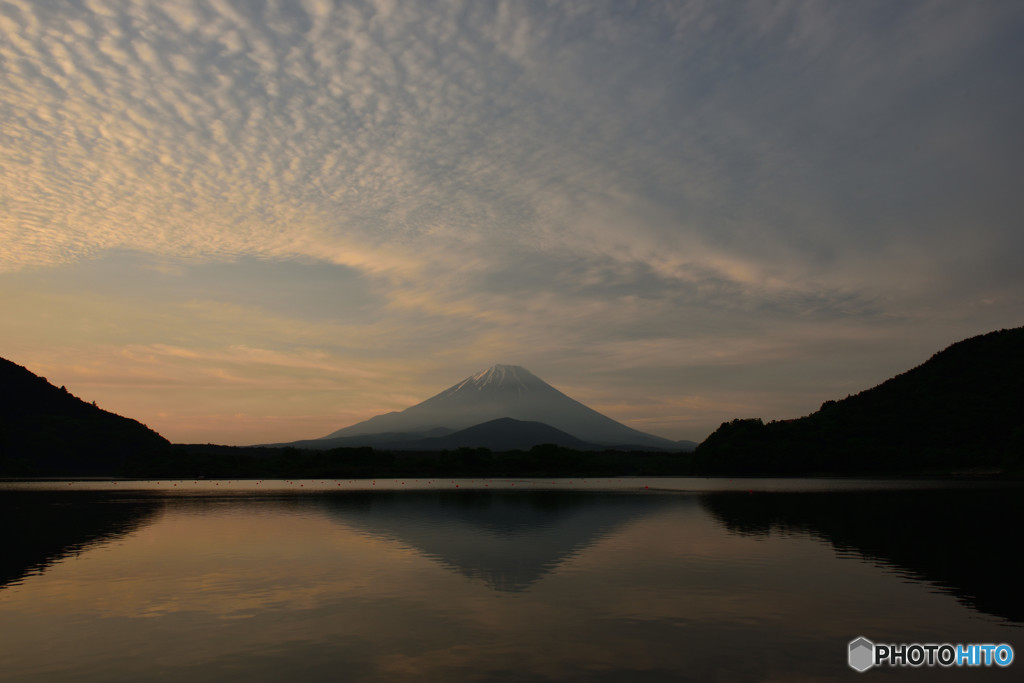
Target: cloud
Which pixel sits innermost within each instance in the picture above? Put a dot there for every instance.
(551, 181)
(214, 130)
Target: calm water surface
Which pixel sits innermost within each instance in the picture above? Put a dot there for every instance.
(450, 580)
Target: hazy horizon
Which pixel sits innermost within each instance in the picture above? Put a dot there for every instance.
(262, 222)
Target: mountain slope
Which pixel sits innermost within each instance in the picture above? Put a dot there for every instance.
(962, 408)
(503, 434)
(505, 391)
(46, 430)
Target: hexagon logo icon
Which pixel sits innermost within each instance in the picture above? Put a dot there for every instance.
(862, 654)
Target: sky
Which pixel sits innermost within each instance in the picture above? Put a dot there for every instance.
(252, 221)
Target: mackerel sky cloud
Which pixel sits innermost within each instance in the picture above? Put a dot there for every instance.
(261, 221)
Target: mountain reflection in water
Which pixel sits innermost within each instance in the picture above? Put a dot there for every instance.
(230, 580)
(956, 540)
(40, 528)
(507, 540)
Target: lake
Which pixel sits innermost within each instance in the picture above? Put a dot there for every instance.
(502, 580)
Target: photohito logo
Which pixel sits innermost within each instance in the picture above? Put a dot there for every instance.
(864, 654)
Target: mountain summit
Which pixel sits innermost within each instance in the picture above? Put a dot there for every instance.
(501, 391)
(504, 378)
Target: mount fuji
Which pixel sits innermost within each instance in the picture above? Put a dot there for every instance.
(500, 392)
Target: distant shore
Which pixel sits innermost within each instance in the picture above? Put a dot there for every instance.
(209, 461)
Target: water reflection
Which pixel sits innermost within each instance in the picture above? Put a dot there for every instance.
(508, 540)
(474, 585)
(956, 540)
(40, 528)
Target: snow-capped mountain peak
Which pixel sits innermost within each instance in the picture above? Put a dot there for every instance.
(503, 391)
(501, 378)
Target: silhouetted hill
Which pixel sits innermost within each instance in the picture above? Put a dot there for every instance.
(384, 440)
(503, 434)
(962, 408)
(500, 435)
(46, 430)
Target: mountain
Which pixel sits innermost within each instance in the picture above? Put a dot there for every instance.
(502, 391)
(46, 430)
(963, 408)
(503, 434)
